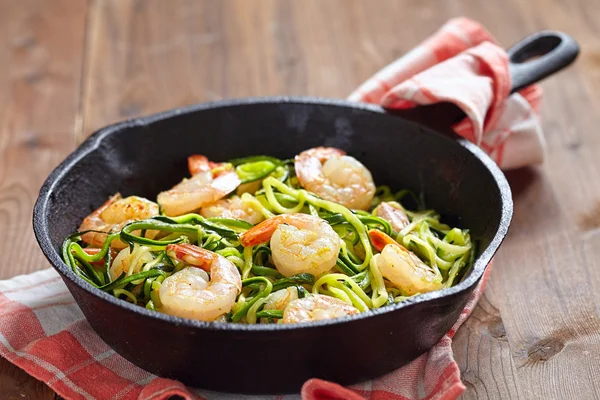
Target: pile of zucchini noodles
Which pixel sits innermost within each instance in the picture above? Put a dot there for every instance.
(353, 280)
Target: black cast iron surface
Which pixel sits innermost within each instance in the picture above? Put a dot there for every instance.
(147, 155)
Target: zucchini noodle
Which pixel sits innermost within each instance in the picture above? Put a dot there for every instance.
(134, 260)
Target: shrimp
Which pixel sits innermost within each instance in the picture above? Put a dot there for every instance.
(331, 174)
(316, 307)
(299, 243)
(250, 187)
(280, 299)
(113, 215)
(190, 293)
(403, 268)
(201, 189)
(393, 213)
(234, 207)
(198, 163)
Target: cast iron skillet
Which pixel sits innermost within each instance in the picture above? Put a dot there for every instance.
(147, 155)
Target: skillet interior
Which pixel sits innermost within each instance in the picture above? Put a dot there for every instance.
(148, 155)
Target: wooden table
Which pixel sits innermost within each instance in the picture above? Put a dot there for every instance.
(69, 67)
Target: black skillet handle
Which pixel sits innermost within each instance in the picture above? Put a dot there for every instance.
(540, 55)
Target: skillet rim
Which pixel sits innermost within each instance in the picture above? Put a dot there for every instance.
(92, 143)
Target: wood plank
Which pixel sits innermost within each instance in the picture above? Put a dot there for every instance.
(41, 47)
(543, 282)
(153, 55)
(16, 384)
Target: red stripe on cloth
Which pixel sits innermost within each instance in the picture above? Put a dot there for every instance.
(45, 373)
(318, 389)
(161, 388)
(493, 63)
(61, 350)
(393, 100)
(382, 395)
(30, 366)
(382, 83)
(486, 147)
(18, 323)
(449, 386)
(101, 382)
(65, 390)
(399, 103)
(426, 92)
(451, 46)
(533, 95)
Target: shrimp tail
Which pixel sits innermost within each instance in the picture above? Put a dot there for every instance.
(198, 163)
(226, 183)
(393, 213)
(90, 223)
(262, 232)
(192, 255)
(380, 239)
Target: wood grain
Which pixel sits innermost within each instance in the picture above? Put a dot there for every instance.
(542, 289)
(147, 56)
(41, 50)
(535, 333)
(41, 53)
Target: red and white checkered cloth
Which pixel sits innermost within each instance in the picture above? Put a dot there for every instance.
(462, 64)
(43, 331)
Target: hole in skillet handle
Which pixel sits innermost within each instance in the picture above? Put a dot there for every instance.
(538, 56)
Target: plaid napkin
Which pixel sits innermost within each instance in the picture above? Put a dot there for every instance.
(462, 64)
(43, 331)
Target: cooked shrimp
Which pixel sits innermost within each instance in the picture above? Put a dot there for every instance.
(250, 187)
(201, 189)
(316, 307)
(331, 174)
(403, 268)
(190, 293)
(299, 243)
(280, 299)
(392, 213)
(234, 207)
(198, 163)
(113, 215)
